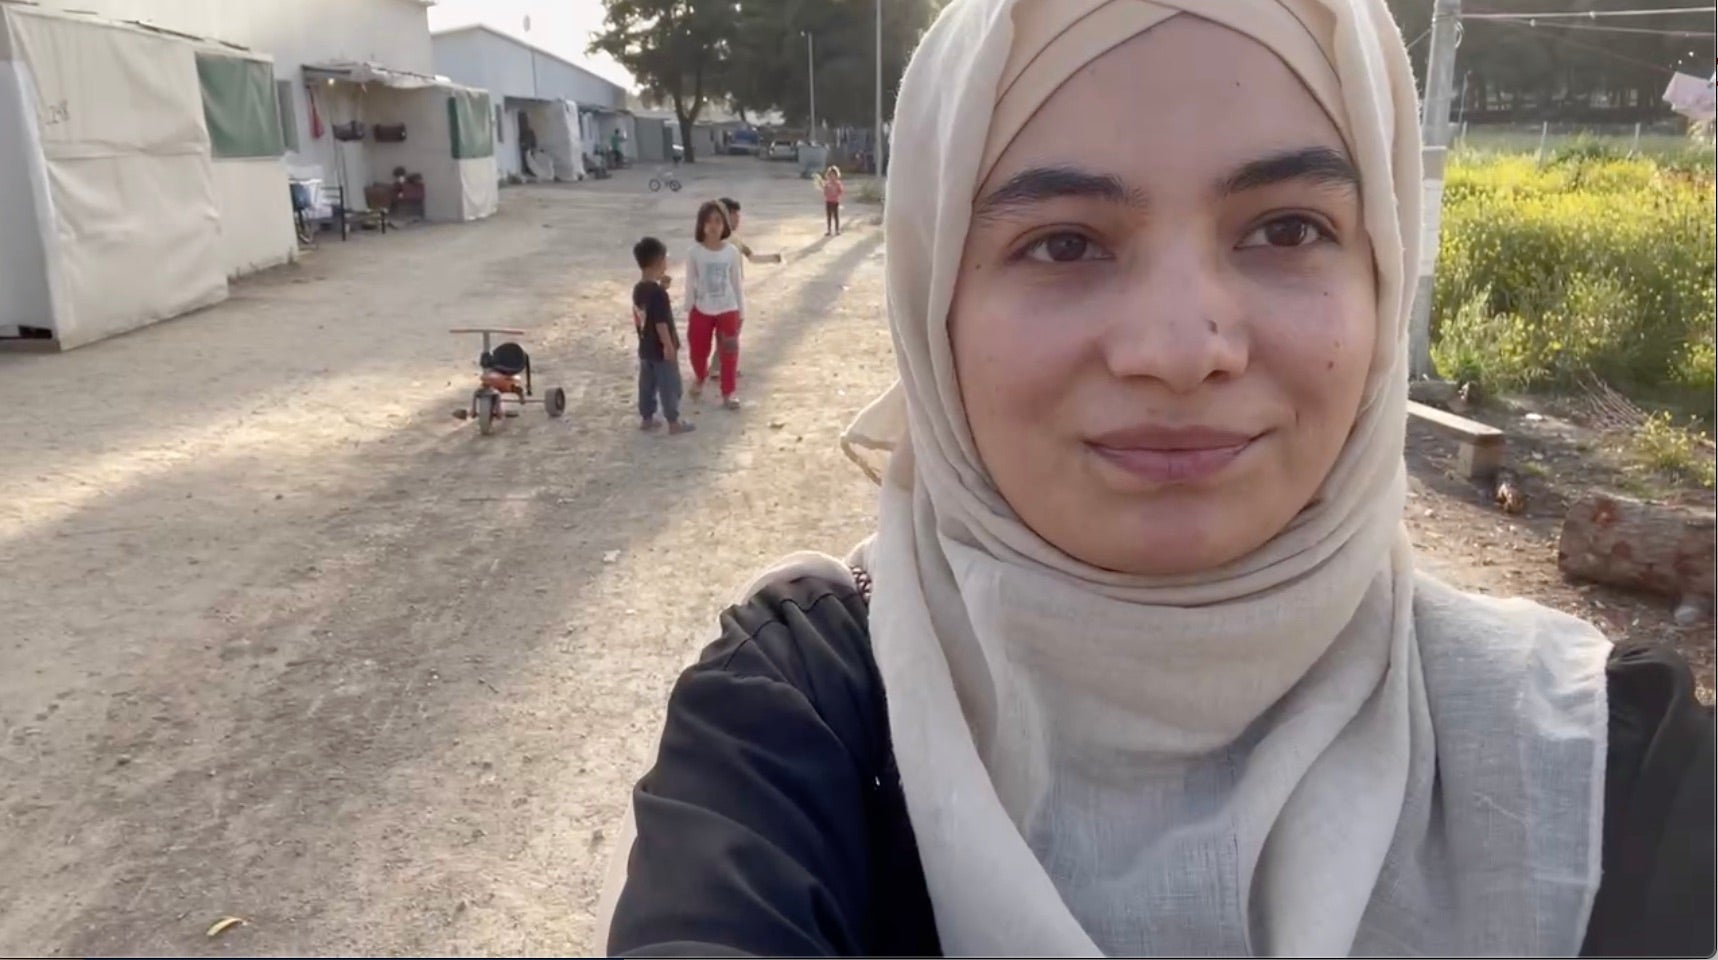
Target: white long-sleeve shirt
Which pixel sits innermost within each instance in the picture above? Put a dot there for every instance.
(714, 280)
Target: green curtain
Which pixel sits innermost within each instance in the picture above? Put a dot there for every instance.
(472, 124)
(239, 106)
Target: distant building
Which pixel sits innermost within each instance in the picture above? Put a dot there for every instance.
(542, 100)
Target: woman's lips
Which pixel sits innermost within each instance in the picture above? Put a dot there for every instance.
(1171, 456)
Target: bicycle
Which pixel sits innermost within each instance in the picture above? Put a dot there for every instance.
(664, 177)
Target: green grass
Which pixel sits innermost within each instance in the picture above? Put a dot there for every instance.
(1680, 453)
(1590, 262)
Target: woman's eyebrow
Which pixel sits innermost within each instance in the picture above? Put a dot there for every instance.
(1039, 184)
(1320, 165)
(1053, 183)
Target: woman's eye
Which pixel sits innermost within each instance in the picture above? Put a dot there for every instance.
(1064, 248)
(1285, 232)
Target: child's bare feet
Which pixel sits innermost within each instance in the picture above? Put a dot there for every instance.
(732, 403)
(697, 390)
(680, 426)
(649, 425)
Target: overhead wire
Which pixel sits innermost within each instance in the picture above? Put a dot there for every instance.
(1601, 51)
(1586, 14)
(1638, 31)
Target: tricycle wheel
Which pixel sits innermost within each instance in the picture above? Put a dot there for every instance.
(555, 401)
(655, 185)
(488, 412)
(674, 185)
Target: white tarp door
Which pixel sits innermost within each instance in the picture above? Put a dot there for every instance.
(134, 228)
(562, 140)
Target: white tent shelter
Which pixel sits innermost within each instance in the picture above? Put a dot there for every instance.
(139, 169)
(108, 217)
(449, 137)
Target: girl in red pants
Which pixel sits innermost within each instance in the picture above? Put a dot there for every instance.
(715, 301)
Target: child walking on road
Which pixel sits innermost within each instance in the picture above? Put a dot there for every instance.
(833, 189)
(658, 341)
(716, 304)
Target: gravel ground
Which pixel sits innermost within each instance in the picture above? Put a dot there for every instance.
(282, 640)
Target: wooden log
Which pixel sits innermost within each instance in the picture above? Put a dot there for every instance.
(1661, 548)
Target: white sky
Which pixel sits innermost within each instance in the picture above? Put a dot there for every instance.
(562, 27)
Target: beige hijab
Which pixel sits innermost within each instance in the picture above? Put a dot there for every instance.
(1310, 752)
(1314, 751)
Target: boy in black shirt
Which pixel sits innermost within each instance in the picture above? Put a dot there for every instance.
(658, 341)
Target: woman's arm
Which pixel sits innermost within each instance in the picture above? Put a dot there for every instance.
(752, 833)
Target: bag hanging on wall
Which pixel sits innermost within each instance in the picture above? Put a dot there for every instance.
(390, 132)
(349, 131)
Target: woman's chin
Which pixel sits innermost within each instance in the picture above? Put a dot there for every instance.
(1168, 540)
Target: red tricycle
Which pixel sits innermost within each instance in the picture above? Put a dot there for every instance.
(499, 381)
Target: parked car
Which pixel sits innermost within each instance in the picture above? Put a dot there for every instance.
(744, 143)
(782, 150)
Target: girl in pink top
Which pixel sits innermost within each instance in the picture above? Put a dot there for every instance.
(832, 191)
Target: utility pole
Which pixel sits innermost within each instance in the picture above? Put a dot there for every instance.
(877, 133)
(1435, 133)
(811, 78)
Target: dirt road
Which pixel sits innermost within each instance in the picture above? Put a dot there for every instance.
(282, 640)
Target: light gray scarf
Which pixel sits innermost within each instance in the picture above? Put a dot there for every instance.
(1312, 752)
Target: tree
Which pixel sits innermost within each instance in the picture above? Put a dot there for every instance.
(768, 71)
(677, 49)
(1605, 69)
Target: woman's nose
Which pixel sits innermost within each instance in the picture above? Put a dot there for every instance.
(1176, 320)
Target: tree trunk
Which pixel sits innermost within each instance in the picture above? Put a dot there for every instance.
(1660, 548)
(686, 138)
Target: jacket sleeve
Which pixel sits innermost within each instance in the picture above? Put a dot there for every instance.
(751, 827)
(1656, 892)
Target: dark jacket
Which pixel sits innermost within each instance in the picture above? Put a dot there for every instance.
(773, 822)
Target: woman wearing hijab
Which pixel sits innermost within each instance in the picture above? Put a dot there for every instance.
(1139, 661)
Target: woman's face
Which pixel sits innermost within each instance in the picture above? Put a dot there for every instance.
(1166, 306)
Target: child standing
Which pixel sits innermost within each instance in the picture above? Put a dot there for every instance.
(658, 341)
(716, 304)
(733, 207)
(833, 189)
